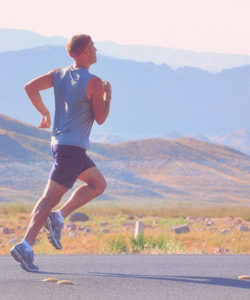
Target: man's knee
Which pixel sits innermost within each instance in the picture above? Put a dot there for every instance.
(101, 186)
(95, 180)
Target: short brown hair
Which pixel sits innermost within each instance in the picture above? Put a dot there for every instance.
(77, 44)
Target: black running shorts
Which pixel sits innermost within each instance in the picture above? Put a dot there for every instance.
(69, 163)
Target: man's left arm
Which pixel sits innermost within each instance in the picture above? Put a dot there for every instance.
(33, 89)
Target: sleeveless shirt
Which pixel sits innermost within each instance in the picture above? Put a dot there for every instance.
(74, 116)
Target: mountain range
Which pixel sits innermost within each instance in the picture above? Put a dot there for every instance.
(148, 100)
(13, 39)
(182, 170)
(239, 139)
(174, 58)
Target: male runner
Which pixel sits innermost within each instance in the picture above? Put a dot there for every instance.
(80, 99)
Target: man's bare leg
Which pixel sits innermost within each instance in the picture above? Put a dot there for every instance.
(50, 198)
(95, 186)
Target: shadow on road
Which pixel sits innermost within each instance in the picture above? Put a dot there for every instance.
(189, 279)
(237, 283)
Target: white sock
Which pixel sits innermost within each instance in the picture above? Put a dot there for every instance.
(27, 246)
(59, 216)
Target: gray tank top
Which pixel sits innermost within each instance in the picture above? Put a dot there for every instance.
(74, 116)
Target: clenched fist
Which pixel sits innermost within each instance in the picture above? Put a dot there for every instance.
(107, 90)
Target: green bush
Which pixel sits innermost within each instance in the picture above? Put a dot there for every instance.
(142, 243)
(118, 244)
(168, 245)
(138, 244)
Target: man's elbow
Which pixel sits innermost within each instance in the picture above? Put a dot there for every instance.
(31, 88)
(100, 121)
(28, 88)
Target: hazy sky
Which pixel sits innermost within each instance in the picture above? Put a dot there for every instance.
(200, 25)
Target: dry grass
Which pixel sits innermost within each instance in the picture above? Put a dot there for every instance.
(111, 230)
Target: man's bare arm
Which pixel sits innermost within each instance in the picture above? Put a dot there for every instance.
(99, 93)
(33, 89)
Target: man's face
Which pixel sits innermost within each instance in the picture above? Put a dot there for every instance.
(92, 52)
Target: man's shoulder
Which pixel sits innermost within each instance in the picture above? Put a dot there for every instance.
(61, 72)
(95, 81)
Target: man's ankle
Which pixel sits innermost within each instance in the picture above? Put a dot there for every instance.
(27, 246)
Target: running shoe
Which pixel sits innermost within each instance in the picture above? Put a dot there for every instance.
(54, 227)
(24, 257)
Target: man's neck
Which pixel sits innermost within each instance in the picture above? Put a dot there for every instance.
(81, 65)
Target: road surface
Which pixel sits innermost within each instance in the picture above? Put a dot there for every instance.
(125, 277)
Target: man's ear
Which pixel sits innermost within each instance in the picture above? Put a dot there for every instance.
(86, 50)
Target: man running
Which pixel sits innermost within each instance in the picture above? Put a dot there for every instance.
(80, 99)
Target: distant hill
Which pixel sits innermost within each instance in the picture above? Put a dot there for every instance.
(175, 58)
(239, 139)
(183, 170)
(22, 142)
(18, 127)
(13, 39)
(148, 100)
(106, 138)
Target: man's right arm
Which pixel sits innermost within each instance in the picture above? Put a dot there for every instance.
(99, 93)
(33, 89)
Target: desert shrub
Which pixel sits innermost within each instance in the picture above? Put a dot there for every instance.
(117, 244)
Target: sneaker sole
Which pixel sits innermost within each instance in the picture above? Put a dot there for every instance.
(19, 259)
(50, 235)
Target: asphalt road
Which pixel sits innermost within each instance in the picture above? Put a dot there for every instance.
(109, 277)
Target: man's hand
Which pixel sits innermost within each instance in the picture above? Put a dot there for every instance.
(107, 90)
(45, 121)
